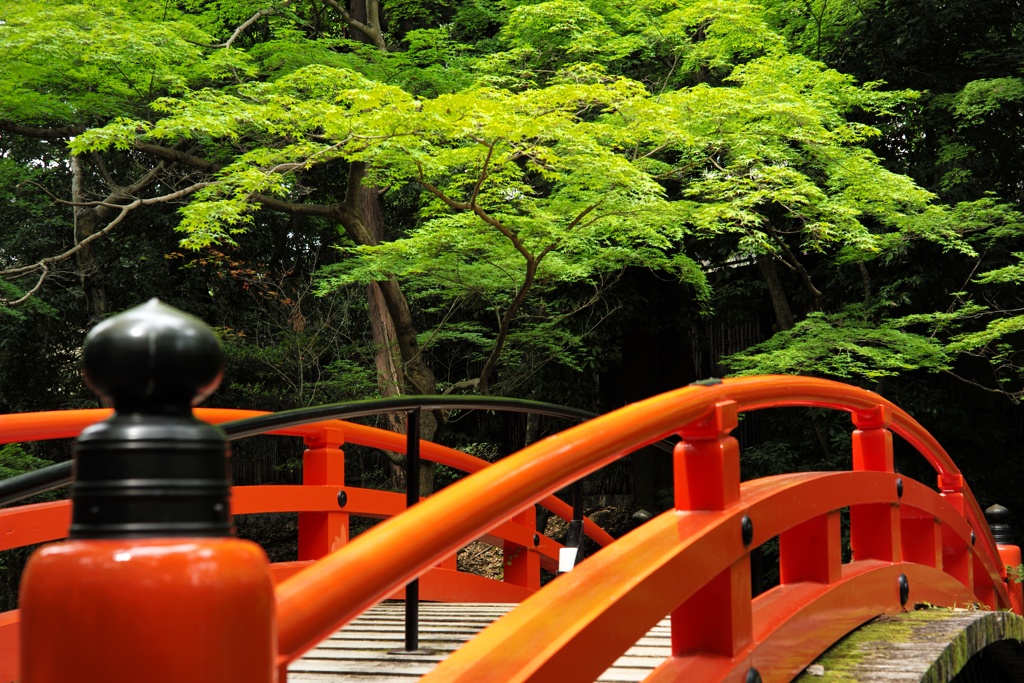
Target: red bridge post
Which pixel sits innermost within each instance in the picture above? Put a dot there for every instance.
(718, 618)
(151, 584)
(875, 528)
(1009, 554)
(522, 563)
(323, 464)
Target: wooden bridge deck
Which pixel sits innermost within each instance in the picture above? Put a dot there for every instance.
(369, 649)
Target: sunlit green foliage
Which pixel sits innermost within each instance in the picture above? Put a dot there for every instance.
(536, 146)
(849, 345)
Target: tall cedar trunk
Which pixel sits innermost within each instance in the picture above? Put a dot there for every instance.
(357, 10)
(385, 342)
(88, 220)
(382, 307)
(385, 346)
(419, 378)
(367, 13)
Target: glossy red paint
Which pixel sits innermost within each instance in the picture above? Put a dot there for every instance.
(314, 601)
(323, 529)
(67, 424)
(323, 464)
(691, 562)
(1011, 562)
(31, 524)
(183, 609)
(579, 624)
(10, 645)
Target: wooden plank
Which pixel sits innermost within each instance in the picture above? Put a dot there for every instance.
(370, 648)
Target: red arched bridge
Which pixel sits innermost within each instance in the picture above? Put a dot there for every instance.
(146, 590)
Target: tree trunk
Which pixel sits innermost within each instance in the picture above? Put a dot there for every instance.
(366, 25)
(780, 303)
(390, 317)
(385, 349)
(784, 321)
(389, 379)
(88, 220)
(418, 377)
(386, 305)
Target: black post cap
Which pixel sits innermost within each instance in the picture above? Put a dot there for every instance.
(152, 356)
(998, 519)
(152, 469)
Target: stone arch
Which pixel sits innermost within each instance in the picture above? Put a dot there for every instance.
(928, 646)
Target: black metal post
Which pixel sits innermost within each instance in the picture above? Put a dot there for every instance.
(412, 496)
(575, 537)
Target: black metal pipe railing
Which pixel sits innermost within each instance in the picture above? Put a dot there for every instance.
(54, 476)
(291, 418)
(37, 481)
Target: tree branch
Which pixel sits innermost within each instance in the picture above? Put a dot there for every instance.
(43, 265)
(816, 294)
(370, 29)
(42, 133)
(104, 172)
(118, 191)
(44, 272)
(464, 384)
(1012, 396)
(505, 325)
(266, 11)
(159, 151)
(177, 156)
(319, 210)
(483, 174)
(253, 19)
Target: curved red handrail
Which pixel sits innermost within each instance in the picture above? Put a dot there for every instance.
(582, 623)
(29, 524)
(317, 600)
(612, 598)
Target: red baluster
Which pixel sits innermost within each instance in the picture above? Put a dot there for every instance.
(522, 563)
(323, 464)
(875, 528)
(717, 619)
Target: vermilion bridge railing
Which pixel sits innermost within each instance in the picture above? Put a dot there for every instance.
(911, 544)
(151, 584)
(324, 502)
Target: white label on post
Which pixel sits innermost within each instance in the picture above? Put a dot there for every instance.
(566, 559)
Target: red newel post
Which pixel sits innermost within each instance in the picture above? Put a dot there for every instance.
(522, 563)
(874, 528)
(323, 463)
(717, 619)
(998, 519)
(151, 585)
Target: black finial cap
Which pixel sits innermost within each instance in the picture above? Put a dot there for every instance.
(152, 356)
(998, 519)
(152, 469)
